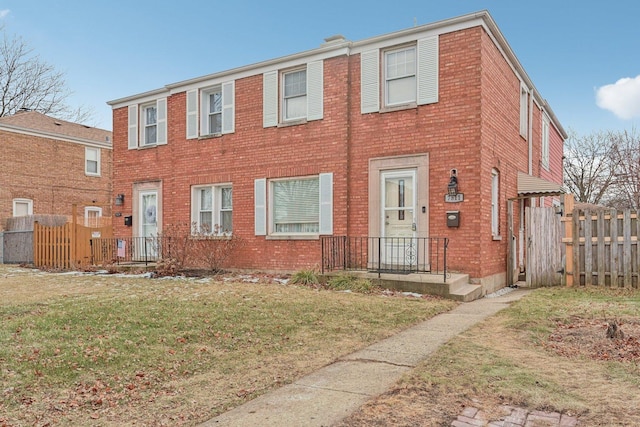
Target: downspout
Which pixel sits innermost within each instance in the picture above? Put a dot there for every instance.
(530, 131)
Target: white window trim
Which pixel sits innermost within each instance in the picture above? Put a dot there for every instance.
(386, 79)
(216, 208)
(144, 125)
(18, 201)
(272, 95)
(263, 204)
(136, 124)
(427, 76)
(524, 110)
(495, 203)
(283, 100)
(88, 150)
(88, 209)
(545, 141)
(204, 108)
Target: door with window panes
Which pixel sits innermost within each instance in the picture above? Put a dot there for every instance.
(399, 219)
(148, 220)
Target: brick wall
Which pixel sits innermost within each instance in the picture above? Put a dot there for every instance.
(51, 173)
(474, 128)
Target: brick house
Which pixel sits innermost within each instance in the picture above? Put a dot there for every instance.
(348, 139)
(47, 165)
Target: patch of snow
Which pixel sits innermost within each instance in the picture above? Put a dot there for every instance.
(501, 292)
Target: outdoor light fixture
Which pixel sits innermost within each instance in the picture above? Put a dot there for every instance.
(120, 200)
(452, 188)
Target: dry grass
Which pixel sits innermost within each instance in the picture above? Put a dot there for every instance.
(538, 354)
(112, 350)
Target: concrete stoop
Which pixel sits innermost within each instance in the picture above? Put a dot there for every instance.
(455, 287)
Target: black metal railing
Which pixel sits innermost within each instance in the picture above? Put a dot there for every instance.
(128, 250)
(385, 254)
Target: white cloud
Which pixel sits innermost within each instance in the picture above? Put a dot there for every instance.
(4, 13)
(622, 97)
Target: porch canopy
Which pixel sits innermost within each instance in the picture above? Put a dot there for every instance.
(532, 186)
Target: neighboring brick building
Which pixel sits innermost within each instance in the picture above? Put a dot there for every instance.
(47, 165)
(352, 138)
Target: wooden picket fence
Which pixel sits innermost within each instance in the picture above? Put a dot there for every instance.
(602, 247)
(66, 246)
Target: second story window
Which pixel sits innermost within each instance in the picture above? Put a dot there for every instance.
(545, 141)
(404, 76)
(147, 124)
(92, 161)
(211, 110)
(214, 111)
(400, 76)
(150, 120)
(294, 96)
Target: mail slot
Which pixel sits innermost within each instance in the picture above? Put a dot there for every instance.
(128, 221)
(453, 218)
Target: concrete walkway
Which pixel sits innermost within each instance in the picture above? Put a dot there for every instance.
(327, 396)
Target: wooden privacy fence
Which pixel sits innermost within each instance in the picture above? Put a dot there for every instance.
(65, 246)
(602, 247)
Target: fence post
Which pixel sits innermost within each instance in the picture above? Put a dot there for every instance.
(568, 239)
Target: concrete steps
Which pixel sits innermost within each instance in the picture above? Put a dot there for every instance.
(456, 286)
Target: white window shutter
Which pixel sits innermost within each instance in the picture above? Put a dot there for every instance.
(260, 203)
(326, 203)
(161, 104)
(370, 81)
(428, 70)
(270, 99)
(192, 114)
(315, 88)
(133, 126)
(228, 107)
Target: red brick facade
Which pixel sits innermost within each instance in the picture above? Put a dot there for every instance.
(43, 160)
(473, 128)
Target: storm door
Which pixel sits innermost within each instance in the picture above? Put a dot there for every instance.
(398, 243)
(147, 244)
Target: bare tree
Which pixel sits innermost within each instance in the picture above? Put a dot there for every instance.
(591, 166)
(27, 82)
(625, 193)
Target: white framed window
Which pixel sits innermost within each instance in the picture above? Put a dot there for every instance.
(92, 161)
(148, 124)
(211, 111)
(293, 95)
(295, 206)
(149, 121)
(545, 141)
(92, 215)
(22, 207)
(400, 76)
(495, 203)
(524, 110)
(212, 209)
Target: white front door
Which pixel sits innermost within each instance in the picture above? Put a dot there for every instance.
(148, 220)
(398, 218)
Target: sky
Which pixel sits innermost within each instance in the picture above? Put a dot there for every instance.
(582, 56)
